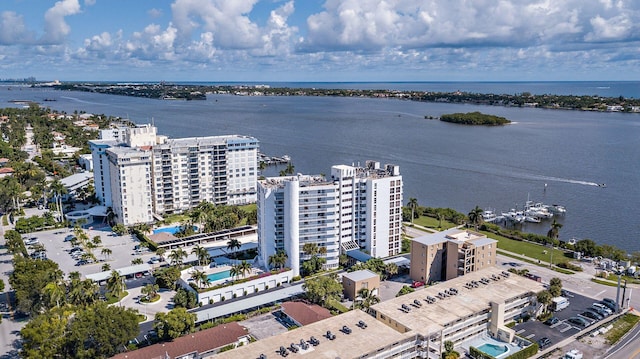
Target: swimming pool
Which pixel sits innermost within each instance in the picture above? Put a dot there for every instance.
(220, 275)
(493, 350)
(172, 229)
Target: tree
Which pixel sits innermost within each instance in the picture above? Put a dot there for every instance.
(150, 291)
(449, 353)
(475, 217)
(167, 277)
(45, 335)
(100, 331)
(160, 252)
(137, 261)
(390, 269)
(322, 288)
(29, 278)
(119, 229)
(279, 259)
(555, 281)
(115, 284)
(413, 204)
(244, 267)
(545, 298)
(96, 241)
(58, 189)
(105, 267)
(174, 324)
(553, 232)
(232, 244)
(14, 243)
(405, 290)
(185, 298)
(54, 292)
(177, 256)
(106, 252)
(366, 298)
(587, 247)
(203, 255)
(83, 293)
(200, 278)
(555, 290)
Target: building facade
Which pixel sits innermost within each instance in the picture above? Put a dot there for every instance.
(181, 172)
(358, 208)
(449, 254)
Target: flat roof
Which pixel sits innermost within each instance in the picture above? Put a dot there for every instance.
(452, 234)
(138, 268)
(351, 345)
(430, 318)
(359, 255)
(360, 275)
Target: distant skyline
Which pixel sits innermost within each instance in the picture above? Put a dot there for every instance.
(320, 40)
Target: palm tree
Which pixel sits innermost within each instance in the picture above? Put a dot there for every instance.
(54, 292)
(106, 252)
(279, 259)
(137, 261)
(115, 284)
(475, 217)
(440, 216)
(413, 204)
(232, 244)
(111, 217)
(390, 269)
(106, 267)
(177, 256)
(150, 291)
(83, 292)
(244, 267)
(203, 255)
(235, 271)
(160, 252)
(200, 278)
(554, 230)
(58, 189)
(544, 298)
(367, 298)
(97, 240)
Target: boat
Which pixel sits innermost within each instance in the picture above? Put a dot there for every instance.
(489, 216)
(557, 209)
(532, 219)
(537, 209)
(514, 216)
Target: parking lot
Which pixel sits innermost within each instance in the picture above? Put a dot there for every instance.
(563, 329)
(60, 251)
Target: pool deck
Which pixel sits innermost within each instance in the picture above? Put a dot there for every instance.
(186, 274)
(486, 339)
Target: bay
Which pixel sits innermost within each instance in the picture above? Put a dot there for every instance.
(443, 165)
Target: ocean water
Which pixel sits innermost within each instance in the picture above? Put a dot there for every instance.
(443, 165)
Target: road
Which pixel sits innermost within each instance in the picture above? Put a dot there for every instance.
(628, 347)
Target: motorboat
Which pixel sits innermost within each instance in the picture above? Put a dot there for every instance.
(557, 209)
(532, 219)
(489, 216)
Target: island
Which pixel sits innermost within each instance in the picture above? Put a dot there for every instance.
(474, 118)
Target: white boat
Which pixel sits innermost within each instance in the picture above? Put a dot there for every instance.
(538, 209)
(532, 219)
(514, 216)
(557, 209)
(489, 216)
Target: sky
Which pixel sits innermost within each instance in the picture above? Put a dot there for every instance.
(320, 40)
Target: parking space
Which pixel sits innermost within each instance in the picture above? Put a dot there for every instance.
(390, 287)
(59, 249)
(563, 328)
(264, 326)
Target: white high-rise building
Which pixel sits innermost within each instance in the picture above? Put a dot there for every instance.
(130, 175)
(358, 208)
(181, 172)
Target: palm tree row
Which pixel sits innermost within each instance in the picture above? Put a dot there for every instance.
(279, 259)
(240, 269)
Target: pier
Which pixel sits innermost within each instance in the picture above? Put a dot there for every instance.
(272, 161)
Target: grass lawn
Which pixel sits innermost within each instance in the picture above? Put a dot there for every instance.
(531, 250)
(111, 299)
(153, 300)
(621, 326)
(430, 222)
(556, 269)
(604, 282)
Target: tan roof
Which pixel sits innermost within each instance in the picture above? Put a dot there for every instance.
(6, 170)
(305, 314)
(200, 342)
(354, 345)
(430, 318)
(162, 237)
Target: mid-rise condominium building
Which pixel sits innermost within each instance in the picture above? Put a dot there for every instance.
(449, 254)
(178, 173)
(357, 208)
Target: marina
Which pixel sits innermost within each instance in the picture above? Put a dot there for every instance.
(533, 212)
(272, 161)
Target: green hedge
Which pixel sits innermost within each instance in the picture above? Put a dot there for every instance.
(478, 354)
(527, 352)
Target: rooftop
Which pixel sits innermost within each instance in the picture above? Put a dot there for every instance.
(430, 318)
(304, 313)
(200, 342)
(344, 346)
(453, 234)
(360, 275)
(304, 180)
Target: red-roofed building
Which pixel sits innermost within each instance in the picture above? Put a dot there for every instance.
(6, 171)
(305, 314)
(192, 346)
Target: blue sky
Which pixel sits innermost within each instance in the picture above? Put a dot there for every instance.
(320, 40)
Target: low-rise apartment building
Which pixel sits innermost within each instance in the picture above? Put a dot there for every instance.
(446, 255)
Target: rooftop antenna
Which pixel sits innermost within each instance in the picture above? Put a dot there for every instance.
(153, 122)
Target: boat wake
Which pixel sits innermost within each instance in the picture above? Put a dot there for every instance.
(80, 101)
(568, 180)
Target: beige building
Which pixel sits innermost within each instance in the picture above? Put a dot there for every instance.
(354, 281)
(391, 331)
(449, 254)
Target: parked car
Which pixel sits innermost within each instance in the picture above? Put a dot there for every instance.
(610, 303)
(601, 311)
(69, 238)
(591, 315)
(544, 342)
(581, 322)
(551, 321)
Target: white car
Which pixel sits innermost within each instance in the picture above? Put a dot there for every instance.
(602, 307)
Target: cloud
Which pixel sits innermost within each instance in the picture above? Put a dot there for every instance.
(13, 30)
(615, 28)
(55, 27)
(155, 13)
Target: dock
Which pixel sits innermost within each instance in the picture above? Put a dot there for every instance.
(269, 161)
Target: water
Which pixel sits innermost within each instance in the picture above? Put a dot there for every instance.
(172, 230)
(443, 165)
(218, 276)
(493, 350)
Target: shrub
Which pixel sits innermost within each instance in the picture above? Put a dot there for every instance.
(570, 266)
(266, 286)
(255, 290)
(234, 295)
(245, 293)
(296, 278)
(222, 299)
(210, 301)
